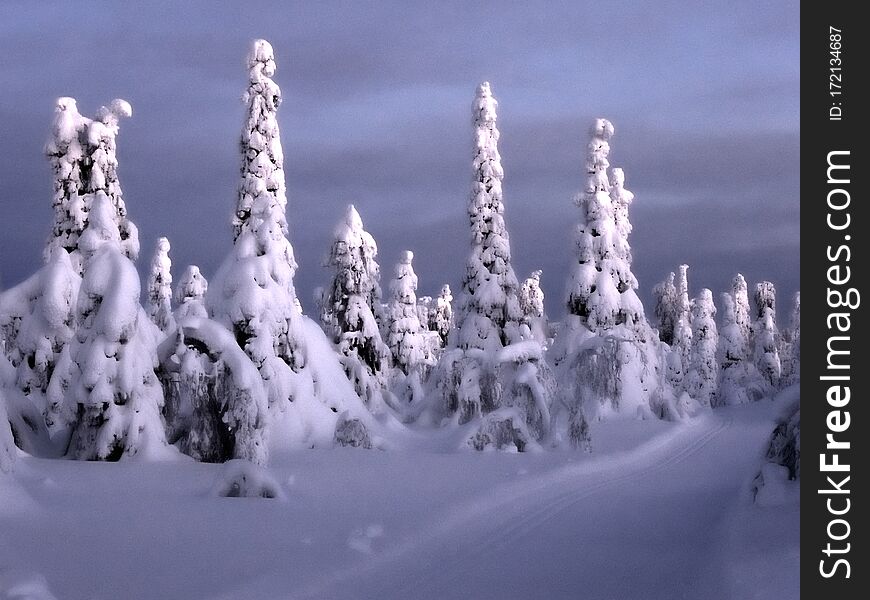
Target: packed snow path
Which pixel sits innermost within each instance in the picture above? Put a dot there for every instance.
(657, 511)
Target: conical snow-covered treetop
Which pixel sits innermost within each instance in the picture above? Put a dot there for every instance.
(490, 314)
(601, 286)
(262, 183)
(190, 293)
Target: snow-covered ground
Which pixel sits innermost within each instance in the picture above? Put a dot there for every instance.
(657, 510)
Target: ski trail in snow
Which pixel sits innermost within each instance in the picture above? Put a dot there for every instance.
(508, 512)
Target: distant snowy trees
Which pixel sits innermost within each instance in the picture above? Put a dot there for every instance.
(703, 367)
(441, 319)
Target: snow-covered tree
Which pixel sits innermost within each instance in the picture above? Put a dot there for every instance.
(405, 337)
(601, 289)
(83, 155)
(766, 335)
(703, 371)
(190, 294)
(253, 291)
(262, 169)
(532, 305)
(682, 342)
(104, 384)
(492, 371)
(609, 360)
(160, 287)
(733, 357)
(8, 451)
(253, 295)
(441, 319)
(532, 297)
(352, 302)
(665, 294)
(791, 367)
(742, 313)
(490, 314)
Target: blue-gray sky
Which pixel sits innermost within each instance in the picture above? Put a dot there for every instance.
(377, 95)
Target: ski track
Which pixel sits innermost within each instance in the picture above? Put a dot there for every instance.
(507, 513)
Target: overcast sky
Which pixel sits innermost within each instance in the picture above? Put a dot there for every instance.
(377, 110)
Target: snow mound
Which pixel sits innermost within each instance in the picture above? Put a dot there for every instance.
(242, 479)
(351, 432)
(504, 429)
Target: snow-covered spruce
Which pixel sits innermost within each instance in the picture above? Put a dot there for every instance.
(405, 337)
(742, 313)
(190, 294)
(703, 372)
(665, 294)
(766, 335)
(252, 294)
(490, 315)
(262, 169)
(609, 361)
(532, 306)
(441, 319)
(104, 385)
(735, 373)
(681, 348)
(82, 153)
(351, 306)
(491, 362)
(160, 287)
(37, 318)
(791, 366)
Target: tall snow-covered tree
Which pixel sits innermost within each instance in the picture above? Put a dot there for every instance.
(104, 384)
(190, 293)
(682, 343)
(160, 287)
(742, 312)
(262, 170)
(352, 302)
(601, 289)
(405, 337)
(609, 360)
(703, 371)
(665, 294)
(441, 319)
(253, 291)
(766, 334)
(490, 314)
(492, 371)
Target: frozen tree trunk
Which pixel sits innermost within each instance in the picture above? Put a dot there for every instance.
(160, 287)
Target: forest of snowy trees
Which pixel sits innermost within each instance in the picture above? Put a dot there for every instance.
(95, 367)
